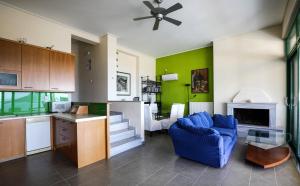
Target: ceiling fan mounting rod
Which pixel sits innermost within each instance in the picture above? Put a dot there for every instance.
(158, 1)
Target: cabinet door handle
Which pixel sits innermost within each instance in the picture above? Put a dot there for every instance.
(54, 88)
(28, 87)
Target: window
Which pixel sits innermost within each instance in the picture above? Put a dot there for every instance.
(293, 85)
(291, 40)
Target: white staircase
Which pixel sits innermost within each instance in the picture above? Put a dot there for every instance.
(122, 136)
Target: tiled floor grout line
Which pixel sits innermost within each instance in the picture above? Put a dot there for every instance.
(150, 176)
(171, 179)
(200, 175)
(125, 164)
(275, 176)
(250, 177)
(77, 174)
(63, 179)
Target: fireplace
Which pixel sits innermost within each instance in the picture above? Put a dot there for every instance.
(253, 115)
(256, 117)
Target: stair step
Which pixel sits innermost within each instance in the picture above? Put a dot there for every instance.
(122, 134)
(124, 145)
(116, 118)
(118, 126)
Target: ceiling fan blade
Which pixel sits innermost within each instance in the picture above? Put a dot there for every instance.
(156, 24)
(173, 8)
(149, 5)
(141, 18)
(174, 21)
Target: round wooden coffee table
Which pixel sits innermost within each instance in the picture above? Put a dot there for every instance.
(266, 148)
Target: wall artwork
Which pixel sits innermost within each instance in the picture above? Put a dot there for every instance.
(200, 81)
(123, 84)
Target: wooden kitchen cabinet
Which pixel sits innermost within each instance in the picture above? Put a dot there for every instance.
(10, 55)
(62, 72)
(65, 138)
(83, 142)
(35, 68)
(12, 139)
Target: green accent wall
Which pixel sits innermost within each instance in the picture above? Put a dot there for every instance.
(183, 64)
(18, 103)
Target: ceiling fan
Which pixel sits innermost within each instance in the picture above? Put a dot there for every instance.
(160, 13)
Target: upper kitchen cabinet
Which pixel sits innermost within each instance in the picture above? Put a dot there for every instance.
(10, 55)
(35, 68)
(10, 65)
(62, 72)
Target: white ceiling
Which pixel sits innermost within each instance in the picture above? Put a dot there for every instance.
(203, 20)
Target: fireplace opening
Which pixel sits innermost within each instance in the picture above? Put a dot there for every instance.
(257, 117)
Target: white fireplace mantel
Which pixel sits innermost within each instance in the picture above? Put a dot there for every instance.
(269, 106)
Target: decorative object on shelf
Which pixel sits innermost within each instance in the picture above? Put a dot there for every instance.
(123, 84)
(200, 81)
(88, 65)
(150, 89)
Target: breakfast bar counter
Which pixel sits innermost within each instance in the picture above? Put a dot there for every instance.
(82, 138)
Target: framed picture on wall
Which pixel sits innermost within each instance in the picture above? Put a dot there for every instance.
(123, 84)
(200, 81)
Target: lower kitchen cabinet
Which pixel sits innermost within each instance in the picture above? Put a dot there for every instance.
(84, 142)
(65, 138)
(12, 139)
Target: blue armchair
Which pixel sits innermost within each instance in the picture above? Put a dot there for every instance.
(208, 140)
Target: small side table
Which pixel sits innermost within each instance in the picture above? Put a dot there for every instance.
(266, 148)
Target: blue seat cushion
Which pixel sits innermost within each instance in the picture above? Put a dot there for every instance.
(226, 141)
(209, 119)
(224, 121)
(200, 120)
(188, 125)
(225, 131)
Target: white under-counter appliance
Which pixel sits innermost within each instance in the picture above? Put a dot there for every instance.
(38, 138)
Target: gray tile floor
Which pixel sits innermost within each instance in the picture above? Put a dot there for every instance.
(151, 164)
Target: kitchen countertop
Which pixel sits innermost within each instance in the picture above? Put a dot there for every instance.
(78, 118)
(66, 116)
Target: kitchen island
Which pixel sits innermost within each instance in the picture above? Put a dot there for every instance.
(81, 138)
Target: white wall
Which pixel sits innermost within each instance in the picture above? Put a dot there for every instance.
(84, 77)
(16, 23)
(75, 51)
(252, 60)
(146, 66)
(111, 68)
(128, 63)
